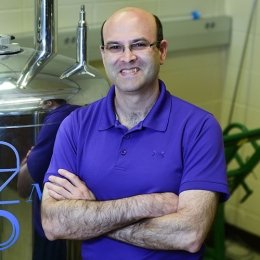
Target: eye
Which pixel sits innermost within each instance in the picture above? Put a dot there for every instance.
(114, 47)
(139, 45)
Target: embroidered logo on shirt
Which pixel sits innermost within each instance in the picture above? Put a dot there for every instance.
(159, 154)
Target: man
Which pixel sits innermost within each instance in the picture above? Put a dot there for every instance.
(32, 170)
(138, 174)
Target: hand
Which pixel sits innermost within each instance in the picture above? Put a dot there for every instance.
(70, 187)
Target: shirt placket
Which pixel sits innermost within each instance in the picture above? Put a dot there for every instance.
(124, 151)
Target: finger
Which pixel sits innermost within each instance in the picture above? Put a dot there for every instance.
(90, 196)
(58, 189)
(79, 190)
(61, 182)
(74, 179)
(55, 195)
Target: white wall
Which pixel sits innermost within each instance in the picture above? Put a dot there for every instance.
(247, 105)
(201, 66)
(197, 76)
(18, 15)
(205, 76)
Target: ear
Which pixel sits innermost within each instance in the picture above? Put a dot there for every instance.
(101, 50)
(49, 103)
(163, 51)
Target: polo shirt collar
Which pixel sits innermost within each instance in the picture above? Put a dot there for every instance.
(59, 108)
(107, 117)
(156, 119)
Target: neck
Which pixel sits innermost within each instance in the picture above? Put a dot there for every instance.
(132, 109)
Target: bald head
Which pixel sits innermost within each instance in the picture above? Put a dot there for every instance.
(143, 18)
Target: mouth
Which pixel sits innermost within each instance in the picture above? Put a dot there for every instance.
(130, 71)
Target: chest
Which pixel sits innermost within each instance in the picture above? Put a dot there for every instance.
(118, 164)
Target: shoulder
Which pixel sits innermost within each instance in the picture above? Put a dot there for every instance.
(88, 110)
(190, 112)
(184, 106)
(58, 114)
(80, 116)
(193, 121)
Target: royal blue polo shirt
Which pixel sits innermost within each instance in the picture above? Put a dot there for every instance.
(177, 147)
(40, 156)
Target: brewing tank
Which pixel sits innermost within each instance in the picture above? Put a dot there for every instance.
(29, 76)
(78, 88)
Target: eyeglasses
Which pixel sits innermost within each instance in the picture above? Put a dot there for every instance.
(117, 48)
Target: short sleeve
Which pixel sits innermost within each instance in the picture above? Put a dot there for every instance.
(64, 151)
(204, 159)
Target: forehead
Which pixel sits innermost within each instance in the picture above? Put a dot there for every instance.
(129, 25)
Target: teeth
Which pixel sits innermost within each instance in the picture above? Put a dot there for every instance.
(133, 70)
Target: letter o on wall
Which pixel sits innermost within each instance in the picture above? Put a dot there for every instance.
(15, 230)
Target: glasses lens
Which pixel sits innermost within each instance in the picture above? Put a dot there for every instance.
(135, 46)
(139, 46)
(114, 48)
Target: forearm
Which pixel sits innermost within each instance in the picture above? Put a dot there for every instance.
(84, 219)
(79, 219)
(24, 181)
(162, 233)
(182, 230)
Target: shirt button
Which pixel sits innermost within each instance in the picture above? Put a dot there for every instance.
(127, 136)
(123, 152)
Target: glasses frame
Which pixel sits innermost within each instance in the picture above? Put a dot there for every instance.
(129, 46)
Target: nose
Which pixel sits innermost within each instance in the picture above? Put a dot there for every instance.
(128, 55)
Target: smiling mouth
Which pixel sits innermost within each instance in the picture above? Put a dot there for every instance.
(130, 71)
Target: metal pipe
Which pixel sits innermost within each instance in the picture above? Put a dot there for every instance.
(45, 41)
(80, 67)
(82, 36)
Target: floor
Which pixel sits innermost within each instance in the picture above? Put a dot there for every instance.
(238, 250)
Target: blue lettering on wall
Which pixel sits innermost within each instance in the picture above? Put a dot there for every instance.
(15, 230)
(5, 214)
(14, 171)
(36, 187)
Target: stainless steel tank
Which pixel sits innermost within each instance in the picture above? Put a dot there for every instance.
(27, 77)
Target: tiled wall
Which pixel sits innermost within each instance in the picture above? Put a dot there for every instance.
(205, 77)
(17, 15)
(201, 66)
(247, 105)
